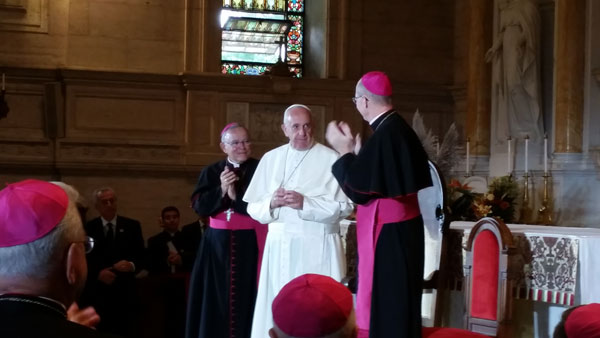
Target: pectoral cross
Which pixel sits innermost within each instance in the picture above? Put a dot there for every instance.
(229, 212)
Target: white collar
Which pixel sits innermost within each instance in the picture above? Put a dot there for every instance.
(296, 151)
(376, 117)
(112, 221)
(235, 165)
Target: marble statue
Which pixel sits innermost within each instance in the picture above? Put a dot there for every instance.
(516, 80)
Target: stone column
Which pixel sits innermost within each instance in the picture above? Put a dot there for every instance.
(477, 124)
(569, 71)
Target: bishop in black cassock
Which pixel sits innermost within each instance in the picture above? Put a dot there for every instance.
(224, 278)
(384, 178)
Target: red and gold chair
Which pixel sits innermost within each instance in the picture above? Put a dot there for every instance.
(487, 287)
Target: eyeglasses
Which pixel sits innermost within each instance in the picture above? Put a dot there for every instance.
(88, 244)
(356, 98)
(237, 143)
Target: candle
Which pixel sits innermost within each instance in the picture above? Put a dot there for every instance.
(467, 163)
(545, 154)
(3, 82)
(509, 155)
(526, 153)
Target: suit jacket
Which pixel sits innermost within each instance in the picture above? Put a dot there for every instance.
(158, 252)
(42, 318)
(128, 245)
(115, 303)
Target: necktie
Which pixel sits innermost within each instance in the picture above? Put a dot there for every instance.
(110, 242)
(110, 234)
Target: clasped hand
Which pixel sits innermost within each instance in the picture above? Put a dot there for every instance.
(287, 198)
(228, 179)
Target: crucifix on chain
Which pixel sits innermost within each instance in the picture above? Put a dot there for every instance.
(228, 213)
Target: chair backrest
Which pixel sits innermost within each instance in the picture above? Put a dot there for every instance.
(487, 286)
(432, 202)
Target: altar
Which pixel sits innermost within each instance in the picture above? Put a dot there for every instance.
(553, 268)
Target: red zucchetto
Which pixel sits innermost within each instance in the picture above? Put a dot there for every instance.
(312, 306)
(377, 83)
(229, 126)
(29, 210)
(584, 321)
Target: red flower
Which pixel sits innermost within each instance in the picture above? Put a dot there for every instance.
(504, 205)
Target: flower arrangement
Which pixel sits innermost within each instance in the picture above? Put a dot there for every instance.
(498, 202)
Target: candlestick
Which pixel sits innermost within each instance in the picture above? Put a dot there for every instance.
(509, 155)
(546, 210)
(545, 154)
(526, 153)
(525, 213)
(467, 163)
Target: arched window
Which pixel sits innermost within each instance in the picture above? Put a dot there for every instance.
(258, 34)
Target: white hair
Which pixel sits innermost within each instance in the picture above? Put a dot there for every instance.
(40, 258)
(99, 191)
(286, 113)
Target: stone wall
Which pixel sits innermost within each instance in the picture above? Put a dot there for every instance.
(149, 135)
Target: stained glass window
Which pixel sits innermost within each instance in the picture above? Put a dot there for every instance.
(257, 34)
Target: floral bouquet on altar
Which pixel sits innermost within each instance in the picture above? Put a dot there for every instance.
(461, 199)
(498, 202)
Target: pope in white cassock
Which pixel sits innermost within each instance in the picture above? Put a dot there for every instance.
(294, 192)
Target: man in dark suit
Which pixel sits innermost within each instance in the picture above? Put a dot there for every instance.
(119, 254)
(167, 248)
(169, 266)
(42, 261)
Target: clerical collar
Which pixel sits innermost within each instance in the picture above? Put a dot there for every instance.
(312, 144)
(380, 118)
(235, 165)
(40, 301)
(376, 117)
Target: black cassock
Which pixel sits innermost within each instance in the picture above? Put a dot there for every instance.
(224, 279)
(23, 316)
(391, 164)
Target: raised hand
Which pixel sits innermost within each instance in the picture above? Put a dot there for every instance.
(339, 136)
(86, 316)
(228, 179)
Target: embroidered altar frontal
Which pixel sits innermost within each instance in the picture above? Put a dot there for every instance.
(543, 266)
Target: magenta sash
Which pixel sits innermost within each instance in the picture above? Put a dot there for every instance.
(242, 222)
(370, 219)
(236, 222)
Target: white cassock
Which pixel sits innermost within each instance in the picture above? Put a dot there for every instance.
(298, 241)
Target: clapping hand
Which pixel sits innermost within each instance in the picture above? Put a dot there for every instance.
(86, 316)
(340, 137)
(228, 179)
